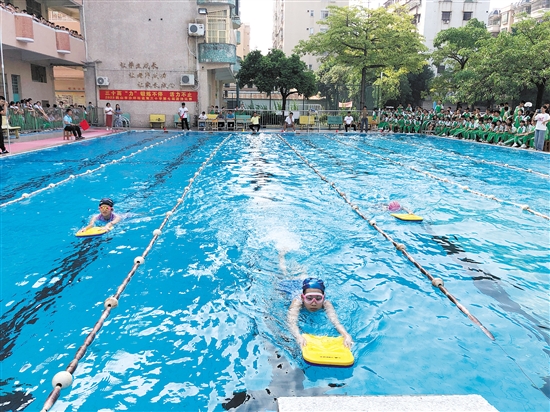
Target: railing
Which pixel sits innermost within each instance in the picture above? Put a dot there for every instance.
(276, 118)
(51, 119)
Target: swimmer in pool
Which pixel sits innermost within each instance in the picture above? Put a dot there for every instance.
(313, 299)
(106, 216)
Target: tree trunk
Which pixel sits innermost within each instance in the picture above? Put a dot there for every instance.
(540, 93)
(284, 96)
(363, 87)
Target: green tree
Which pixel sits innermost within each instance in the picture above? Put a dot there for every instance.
(454, 48)
(333, 82)
(368, 42)
(275, 71)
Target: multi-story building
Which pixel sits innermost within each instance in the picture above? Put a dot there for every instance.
(151, 56)
(503, 19)
(298, 20)
(243, 41)
(33, 47)
(433, 16)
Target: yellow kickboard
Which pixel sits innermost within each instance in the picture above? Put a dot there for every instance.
(93, 231)
(324, 350)
(407, 216)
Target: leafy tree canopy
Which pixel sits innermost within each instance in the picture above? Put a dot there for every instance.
(276, 71)
(369, 41)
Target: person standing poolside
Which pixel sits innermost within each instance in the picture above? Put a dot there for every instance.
(364, 120)
(2, 113)
(540, 129)
(289, 122)
(183, 112)
(109, 116)
(313, 300)
(348, 121)
(106, 216)
(118, 116)
(70, 126)
(255, 123)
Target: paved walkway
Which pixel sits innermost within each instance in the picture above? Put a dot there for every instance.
(33, 141)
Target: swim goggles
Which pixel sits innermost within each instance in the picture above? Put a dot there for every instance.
(310, 297)
(105, 207)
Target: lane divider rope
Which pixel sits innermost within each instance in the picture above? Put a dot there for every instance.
(445, 180)
(87, 172)
(436, 282)
(489, 162)
(64, 378)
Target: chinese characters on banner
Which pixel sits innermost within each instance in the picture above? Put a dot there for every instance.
(149, 95)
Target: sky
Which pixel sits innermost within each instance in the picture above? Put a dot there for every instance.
(259, 14)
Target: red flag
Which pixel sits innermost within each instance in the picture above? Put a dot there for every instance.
(84, 125)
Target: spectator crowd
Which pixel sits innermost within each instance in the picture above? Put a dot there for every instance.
(502, 125)
(39, 19)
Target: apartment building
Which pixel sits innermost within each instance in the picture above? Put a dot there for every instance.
(502, 19)
(149, 57)
(433, 16)
(33, 47)
(298, 20)
(243, 41)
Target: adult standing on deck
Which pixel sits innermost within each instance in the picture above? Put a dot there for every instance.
(183, 113)
(540, 129)
(109, 116)
(2, 113)
(364, 120)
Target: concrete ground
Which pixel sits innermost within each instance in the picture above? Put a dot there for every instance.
(33, 141)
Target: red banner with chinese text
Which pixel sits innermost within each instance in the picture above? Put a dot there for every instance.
(149, 95)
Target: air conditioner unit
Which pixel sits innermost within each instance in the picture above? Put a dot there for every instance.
(102, 81)
(187, 80)
(196, 30)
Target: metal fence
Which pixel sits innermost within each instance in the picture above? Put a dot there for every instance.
(48, 119)
(52, 118)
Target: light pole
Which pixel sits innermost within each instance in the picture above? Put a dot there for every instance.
(380, 96)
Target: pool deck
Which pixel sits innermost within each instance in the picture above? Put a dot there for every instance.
(29, 142)
(419, 403)
(33, 141)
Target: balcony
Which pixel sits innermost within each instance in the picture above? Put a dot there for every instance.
(236, 22)
(37, 42)
(217, 2)
(217, 53)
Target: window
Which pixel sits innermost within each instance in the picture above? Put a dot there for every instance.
(467, 15)
(34, 7)
(323, 29)
(38, 74)
(440, 68)
(310, 66)
(446, 16)
(324, 14)
(311, 30)
(217, 27)
(416, 19)
(312, 13)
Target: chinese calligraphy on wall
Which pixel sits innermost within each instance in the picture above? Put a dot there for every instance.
(147, 76)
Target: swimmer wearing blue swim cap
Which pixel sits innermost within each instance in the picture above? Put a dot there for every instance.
(106, 215)
(313, 300)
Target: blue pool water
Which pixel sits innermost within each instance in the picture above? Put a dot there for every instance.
(202, 327)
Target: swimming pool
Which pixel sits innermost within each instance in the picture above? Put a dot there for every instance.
(201, 326)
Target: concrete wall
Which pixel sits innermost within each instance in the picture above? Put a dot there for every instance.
(120, 33)
(27, 87)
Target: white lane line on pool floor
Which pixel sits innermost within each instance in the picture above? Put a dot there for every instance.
(445, 180)
(87, 172)
(64, 378)
(474, 159)
(436, 282)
